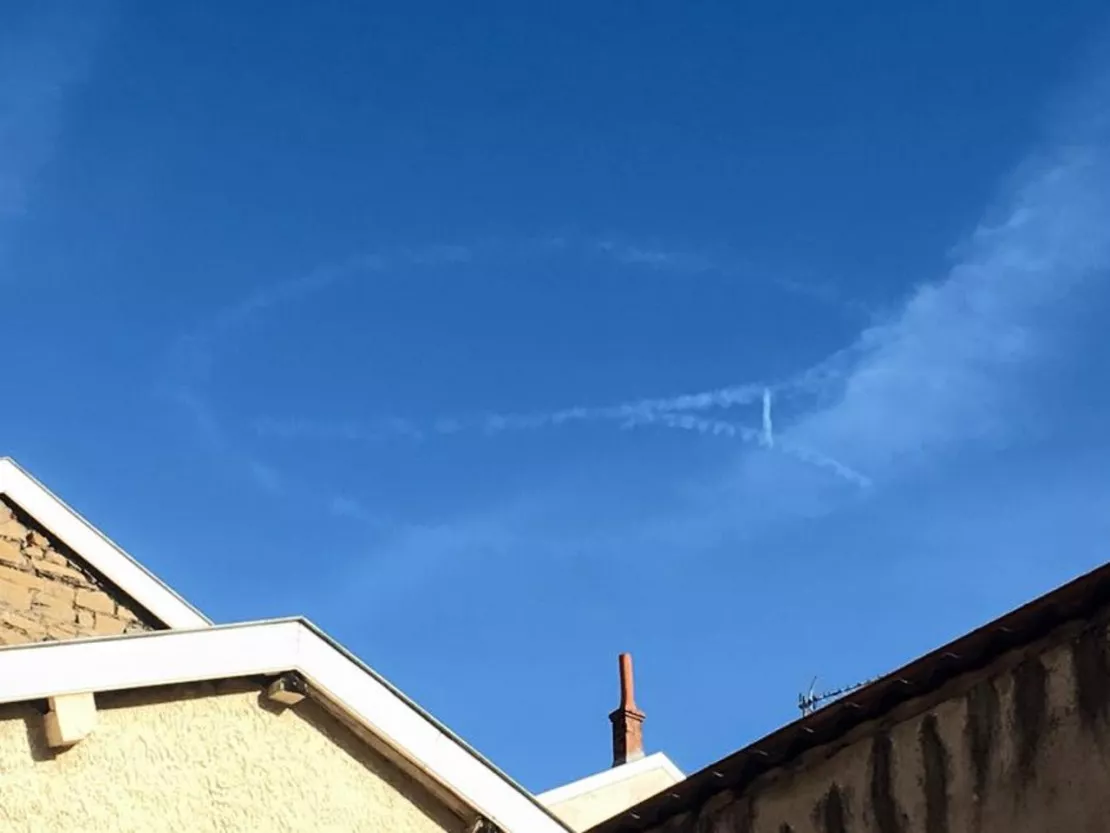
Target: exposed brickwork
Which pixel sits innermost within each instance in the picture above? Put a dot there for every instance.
(48, 593)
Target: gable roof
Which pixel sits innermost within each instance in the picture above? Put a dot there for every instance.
(335, 676)
(97, 550)
(587, 801)
(609, 777)
(1076, 600)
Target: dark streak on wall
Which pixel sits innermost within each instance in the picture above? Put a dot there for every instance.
(1030, 713)
(741, 817)
(1018, 745)
(935, 758)
(888, 818)
(982, 729)
(831, 815)
(1092, 677)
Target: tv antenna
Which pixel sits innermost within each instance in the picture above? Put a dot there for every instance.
(810, 701)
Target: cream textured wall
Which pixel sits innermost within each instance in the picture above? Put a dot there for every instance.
(204, 759)
(585, 810)
(1021, 747)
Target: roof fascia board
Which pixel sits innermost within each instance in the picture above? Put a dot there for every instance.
(608, 777)
(101, 553)
(34, 671)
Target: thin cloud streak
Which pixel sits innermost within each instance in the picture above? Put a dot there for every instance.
(671, 412)
(225, 322)
(950, 368)
(768, 426)
(721, 428)
(676, 413)
(726, 397)
(216, 441)
(808, 383)
(347, 431)
(191, 357)
(685, 263)
(40, 65)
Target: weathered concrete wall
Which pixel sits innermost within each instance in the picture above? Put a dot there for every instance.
(48, 593)
(1022, 747)
(204, 759)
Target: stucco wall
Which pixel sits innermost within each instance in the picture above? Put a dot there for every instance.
(586, 809)
(205, 759)
(1023, 747)
(47, 592)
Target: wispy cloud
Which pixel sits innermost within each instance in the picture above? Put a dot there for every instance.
(41, 61)
(193, 354)
(369, 433)
(188, 370)
(692, 263)
(215, 439)
(631, 254)
(768, 426)
(721, 428)
(948, 351)
(353, 509)
(950, 368)
(953, 368)
(677, 411)
(725, 397)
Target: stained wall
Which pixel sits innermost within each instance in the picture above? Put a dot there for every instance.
(1022, 746)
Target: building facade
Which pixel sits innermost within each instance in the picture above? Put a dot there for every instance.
(1006, 730)
(122, 708)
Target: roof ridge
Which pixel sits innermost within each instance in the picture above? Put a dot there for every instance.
(115, 663)
(93, 546)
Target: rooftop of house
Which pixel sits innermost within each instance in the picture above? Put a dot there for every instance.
(1075, 600)
(632, 777)
(297, 658)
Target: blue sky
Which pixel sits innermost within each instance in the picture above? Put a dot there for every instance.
(452, 328)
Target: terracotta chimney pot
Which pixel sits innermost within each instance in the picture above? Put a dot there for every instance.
(627, 719)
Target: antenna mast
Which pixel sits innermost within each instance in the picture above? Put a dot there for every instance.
(811, 701)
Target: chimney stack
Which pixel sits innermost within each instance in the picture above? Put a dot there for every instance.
(627, 720)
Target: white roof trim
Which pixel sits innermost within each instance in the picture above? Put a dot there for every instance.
(608, 777)
(35, 671)
(103, 555)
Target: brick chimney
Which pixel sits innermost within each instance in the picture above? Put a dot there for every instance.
(627, 720)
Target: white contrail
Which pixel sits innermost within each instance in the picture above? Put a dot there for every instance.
(820, 377)
(768, 430)
(192, 355)
(43, 59)
(727, 397)
(721, 428)
(824, 461)
(697, 424)
(694, 263)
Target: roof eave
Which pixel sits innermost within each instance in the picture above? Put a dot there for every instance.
(100, 552)
(973, 651)
(40, 670)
